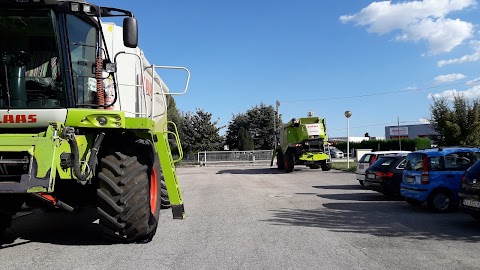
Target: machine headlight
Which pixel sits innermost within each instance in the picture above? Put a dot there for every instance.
(75, 7)
(87, 8)
(102, 120)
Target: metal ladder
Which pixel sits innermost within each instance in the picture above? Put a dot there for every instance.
(168, 168)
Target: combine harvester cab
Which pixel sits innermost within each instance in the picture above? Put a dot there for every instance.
(303, 141)
(83, 118)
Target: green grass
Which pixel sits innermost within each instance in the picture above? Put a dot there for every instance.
(343, 166)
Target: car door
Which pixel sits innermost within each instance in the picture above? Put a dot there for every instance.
(454, 167)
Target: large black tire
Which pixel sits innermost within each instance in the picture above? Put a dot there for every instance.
(325, 166)
(164, 199)
(361, 183)
(129, 194)
(280, 160)
(288, 162)
(5, 222)
(413, 202)
(9, 205)
(441, 201)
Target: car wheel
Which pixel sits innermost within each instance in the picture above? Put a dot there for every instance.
(414, 202)
(361, 183)
(441, 201)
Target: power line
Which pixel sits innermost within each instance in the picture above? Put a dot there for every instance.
(375, 94)
(373, 125)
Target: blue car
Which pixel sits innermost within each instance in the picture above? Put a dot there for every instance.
(434, 176)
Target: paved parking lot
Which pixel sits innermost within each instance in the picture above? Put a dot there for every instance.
(255, 217)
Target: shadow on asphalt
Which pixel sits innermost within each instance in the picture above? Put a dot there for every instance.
(258, 171)
(384, 220)
(342, 187)
(55, 227)
(361, 197)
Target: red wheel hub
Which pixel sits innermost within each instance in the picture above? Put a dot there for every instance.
(153, 191)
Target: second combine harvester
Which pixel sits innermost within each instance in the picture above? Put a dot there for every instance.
(303, 141)
(83, 118)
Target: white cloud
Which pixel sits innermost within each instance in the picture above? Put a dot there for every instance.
(417, 20)
(449, 78)
(472, 93)
(474, 82)
(466, 58)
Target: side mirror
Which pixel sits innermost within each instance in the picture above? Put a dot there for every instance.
(130, 32)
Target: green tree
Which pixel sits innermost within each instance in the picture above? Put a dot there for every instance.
(200, 133)
(458, 124)
(245, 141)
(232, 134)
(172, 112)
(259, 121)
(174, 115)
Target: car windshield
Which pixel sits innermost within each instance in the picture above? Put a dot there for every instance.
(29, 63)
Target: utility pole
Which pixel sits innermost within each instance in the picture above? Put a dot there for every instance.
(275, 117)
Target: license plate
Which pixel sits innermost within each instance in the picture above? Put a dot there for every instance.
(371, 175)
(409, 179)
(471, 203)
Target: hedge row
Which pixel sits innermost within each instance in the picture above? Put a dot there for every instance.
(385, 145)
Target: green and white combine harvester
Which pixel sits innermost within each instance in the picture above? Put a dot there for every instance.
(83, 118)
(303, 141)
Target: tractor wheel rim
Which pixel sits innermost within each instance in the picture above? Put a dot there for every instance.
(153, 191)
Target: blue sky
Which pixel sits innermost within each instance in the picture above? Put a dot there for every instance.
(326, 56)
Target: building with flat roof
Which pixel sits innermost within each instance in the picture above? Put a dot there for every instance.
(410, 131)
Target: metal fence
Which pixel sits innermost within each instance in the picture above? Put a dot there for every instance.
(229, 157)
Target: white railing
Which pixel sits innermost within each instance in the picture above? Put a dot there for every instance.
(234, 157)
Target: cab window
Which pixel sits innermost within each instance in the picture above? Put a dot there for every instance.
(82, 42)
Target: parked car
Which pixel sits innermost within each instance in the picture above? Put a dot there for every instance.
(434, 176)
(336, 153)
(385, 174)
(469, 195)
(368, 159)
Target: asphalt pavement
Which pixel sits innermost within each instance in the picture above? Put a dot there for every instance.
(256, 217)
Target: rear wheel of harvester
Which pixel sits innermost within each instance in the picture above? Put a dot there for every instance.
(129, 195)
(280, 160)
(325, 166)
(288, 161)
(9, 205)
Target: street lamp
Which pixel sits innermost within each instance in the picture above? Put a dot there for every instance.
(348, 114)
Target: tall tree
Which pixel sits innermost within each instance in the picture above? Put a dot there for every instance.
(245, 141)
(238, 122)
(458, 124)
(200, 133)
